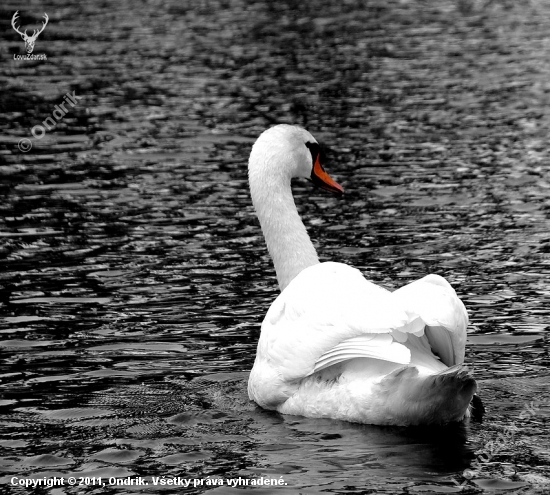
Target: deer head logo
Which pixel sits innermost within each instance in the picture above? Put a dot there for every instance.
(29, 40)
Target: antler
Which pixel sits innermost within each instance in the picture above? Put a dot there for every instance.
(13, 19)
(35, 34)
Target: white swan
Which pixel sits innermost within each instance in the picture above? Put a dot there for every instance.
(333, 344)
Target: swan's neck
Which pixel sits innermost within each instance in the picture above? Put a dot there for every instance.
(285, 234)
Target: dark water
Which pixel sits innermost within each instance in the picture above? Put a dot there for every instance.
(133, 272)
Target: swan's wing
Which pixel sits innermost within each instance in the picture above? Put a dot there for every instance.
(374, 346)
(435, 302)
(328, 314)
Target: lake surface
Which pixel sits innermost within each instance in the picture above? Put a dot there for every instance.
(133, 272)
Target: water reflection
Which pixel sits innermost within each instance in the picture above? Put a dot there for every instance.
(208, 426)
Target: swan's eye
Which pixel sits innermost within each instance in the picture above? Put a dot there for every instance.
(315, 151)
(318, 174)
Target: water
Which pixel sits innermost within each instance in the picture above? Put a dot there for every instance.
(134, 276)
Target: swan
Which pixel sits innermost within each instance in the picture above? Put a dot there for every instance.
(333, 344)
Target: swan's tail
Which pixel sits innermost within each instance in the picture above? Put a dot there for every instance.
(433, 399)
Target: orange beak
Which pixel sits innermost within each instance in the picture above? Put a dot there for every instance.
(322, 179)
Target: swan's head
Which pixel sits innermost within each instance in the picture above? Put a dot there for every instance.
(287, 151)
